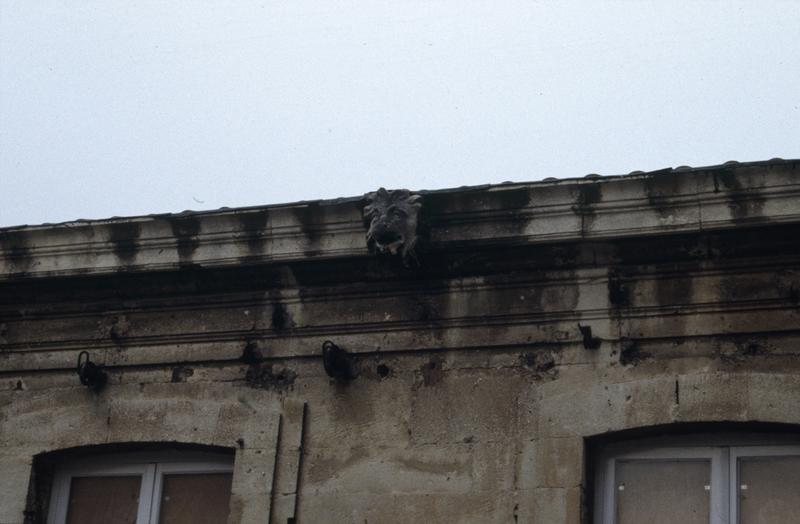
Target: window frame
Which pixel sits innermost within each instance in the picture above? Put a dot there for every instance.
(723, 453)
(737, 452)
(151, 466)
(182, 468)
(605, 504)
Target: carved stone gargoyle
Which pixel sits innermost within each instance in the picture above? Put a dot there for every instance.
(392, 218)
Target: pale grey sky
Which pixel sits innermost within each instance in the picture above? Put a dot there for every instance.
(123, 108)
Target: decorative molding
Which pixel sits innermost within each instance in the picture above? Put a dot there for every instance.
(670, 201)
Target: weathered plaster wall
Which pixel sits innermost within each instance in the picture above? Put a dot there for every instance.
(475, 392)
(477, 438)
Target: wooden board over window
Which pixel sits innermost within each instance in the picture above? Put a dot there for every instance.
(161, 488)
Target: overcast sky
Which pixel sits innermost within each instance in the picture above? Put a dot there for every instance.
(123, 108)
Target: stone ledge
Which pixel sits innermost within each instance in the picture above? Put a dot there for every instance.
(657, 203)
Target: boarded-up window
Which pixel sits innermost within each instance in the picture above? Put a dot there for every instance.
(195, 499)
(713, 482)
(161, 487)
(663, 492)
(102, 500)
(769, 490)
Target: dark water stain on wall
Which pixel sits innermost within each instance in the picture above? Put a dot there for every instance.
(431, 372)
(266, 376)
(311, 218)
(744, 348)
(438, 208)
(618, 289)
(124, 240)
(587, 196)
(660, 186)
(254, 224)
(281, 319)
(541, 362)
(15, 248)
(466, 201)
(181, 373)
(745, 203)
(185, 230)
(516, 201)
(630, 353)
(424, 307)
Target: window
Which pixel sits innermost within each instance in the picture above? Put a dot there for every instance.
(666, 482)
(166, 488)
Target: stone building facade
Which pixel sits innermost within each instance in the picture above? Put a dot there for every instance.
(486, 351)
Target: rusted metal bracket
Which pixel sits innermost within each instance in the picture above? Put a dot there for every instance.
(90, 374)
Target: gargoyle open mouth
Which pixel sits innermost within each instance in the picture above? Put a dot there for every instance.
(390, 241)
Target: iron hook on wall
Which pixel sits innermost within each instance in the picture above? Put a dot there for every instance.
(589, 341)
(338, 362)
(90, 374)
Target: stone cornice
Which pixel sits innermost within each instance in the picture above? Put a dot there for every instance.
(661, 202)
(686, 302)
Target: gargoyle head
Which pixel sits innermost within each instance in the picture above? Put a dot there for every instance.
(392, 217)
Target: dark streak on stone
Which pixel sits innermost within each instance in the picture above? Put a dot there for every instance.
(263, 376)
(425, 309)
(432, 372)
(311, 218)
(618, 292)
(181, 373)
(251, 354)
(744, 203)
(588, 195)
(254, 224)
(360, 272)
(659, 187)
(124, 239)
(752, 349)
(546, 364)
(460, 202)
(15, 246)
(542, 363)
(630, 354)
(744, 348)
(185, 230)
(118, 328)
(516, 200)
(281, 319)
